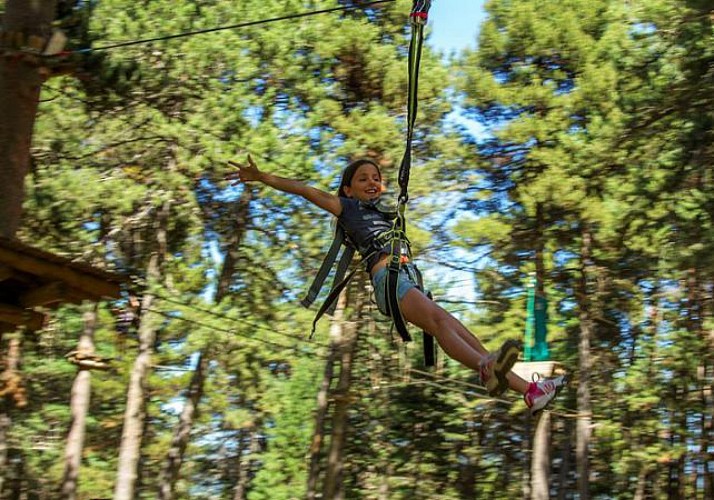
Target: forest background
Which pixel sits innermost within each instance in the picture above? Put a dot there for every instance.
(593, 174)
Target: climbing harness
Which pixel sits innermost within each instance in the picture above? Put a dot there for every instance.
(377, 241)
(401, 249)
(395, 239)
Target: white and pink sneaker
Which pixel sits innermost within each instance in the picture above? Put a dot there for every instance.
(541, 392)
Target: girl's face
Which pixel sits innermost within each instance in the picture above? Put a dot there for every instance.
(366, 184)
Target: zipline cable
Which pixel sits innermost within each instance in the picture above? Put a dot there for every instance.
(437, 382)
(229, 27)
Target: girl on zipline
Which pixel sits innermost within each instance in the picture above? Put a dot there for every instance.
(357, 209)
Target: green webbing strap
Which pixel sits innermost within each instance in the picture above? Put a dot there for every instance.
(340, 272)
(399, 250)
(418, 18)
(331, 300)
(325, 268)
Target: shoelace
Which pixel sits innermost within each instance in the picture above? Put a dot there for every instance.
(545, 385)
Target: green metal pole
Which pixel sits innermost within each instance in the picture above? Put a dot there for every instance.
(530, 320)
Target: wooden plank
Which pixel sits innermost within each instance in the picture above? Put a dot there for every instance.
(50, 294)
(8, 273)
(21, 317)
(525, 370)
(92, 286)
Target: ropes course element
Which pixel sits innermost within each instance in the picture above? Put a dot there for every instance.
(293, 336)
(563, 413)
(300, 15)
(232, 332)
(460, 382)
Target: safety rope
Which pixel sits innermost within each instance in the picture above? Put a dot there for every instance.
(400, 247)
(418, 19)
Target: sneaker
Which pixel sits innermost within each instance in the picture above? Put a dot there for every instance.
(541, 392)
(495, 367)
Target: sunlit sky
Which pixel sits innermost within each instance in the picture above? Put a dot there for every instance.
(454, 26)
(454, 23)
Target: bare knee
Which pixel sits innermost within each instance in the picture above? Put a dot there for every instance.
(424, 313)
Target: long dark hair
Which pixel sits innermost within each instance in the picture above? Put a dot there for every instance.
(349, 173)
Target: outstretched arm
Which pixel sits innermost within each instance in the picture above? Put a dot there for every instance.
(249, 172)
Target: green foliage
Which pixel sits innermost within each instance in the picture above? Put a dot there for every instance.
(591, 121)
(288, 402)
(598, 117)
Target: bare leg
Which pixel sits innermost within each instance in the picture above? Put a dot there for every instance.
(456, 340)
(424, 313)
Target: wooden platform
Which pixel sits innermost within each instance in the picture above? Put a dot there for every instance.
(30, 278)
(526, 369)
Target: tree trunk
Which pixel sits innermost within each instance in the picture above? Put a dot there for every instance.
(174, 459)
(565, 463)
(709, 406)
(705, 374)
(707, 426)
(583, 426)
(526, 446)
(4, 427)
(79, 407)
(134, 416)
(346, 345)
(242, 213)
(318, 436)
(641, 488)
(241, 488)
(20, 83)
(682, 460)
(11, 391)
(540, 459)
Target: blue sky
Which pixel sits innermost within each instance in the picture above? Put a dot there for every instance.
(454, 23)
(454, 26)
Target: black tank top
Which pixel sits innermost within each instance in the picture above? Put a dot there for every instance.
(363, 222)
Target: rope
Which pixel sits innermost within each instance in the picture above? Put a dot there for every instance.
(418, 18)
(232, 332)
(461, 382)
(229, 318)
(229, 27)
(400, 251)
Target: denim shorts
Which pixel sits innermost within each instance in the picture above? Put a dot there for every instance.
(379, 282)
